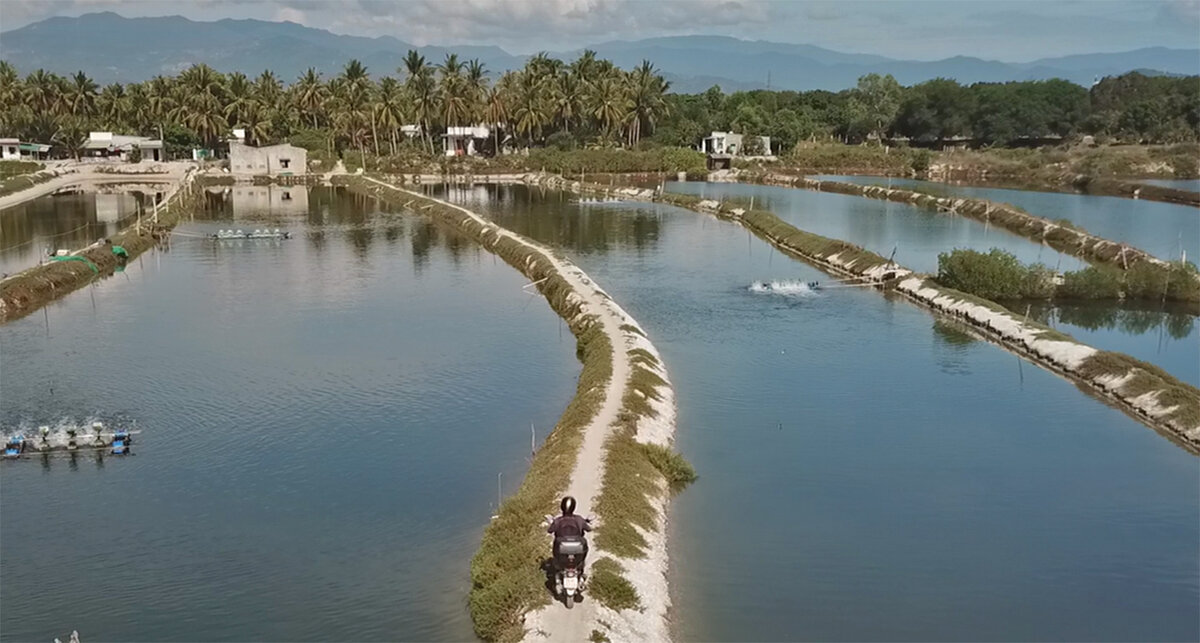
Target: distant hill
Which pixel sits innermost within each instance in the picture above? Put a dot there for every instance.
(112, 48)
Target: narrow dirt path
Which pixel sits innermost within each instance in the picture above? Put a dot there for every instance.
(556, 622)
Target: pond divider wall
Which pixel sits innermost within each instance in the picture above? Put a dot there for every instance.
(1142, 390)
(508, 597)
(28, 290)
(1057, 235)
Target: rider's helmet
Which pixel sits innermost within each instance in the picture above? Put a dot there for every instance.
(568, 505)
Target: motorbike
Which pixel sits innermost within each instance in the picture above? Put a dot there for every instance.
(568, 577)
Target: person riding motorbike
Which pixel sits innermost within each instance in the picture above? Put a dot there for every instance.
(569, 526)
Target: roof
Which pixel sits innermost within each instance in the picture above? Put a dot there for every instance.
(106, 141)
(9, 141)
(34, 147)
(479, 131)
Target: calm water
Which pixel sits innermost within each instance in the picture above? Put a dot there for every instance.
(65, 221)
(1167, 338)
(1162, 229)
(917, 235)
(869, 473)
(1179, 184)
(324, 422)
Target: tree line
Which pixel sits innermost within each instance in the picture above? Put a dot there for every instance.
(1131, 108)
(588, 102)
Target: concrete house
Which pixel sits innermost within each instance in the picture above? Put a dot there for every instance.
(109, 145)
(461, 141)
(10, 149)
(271, 160)
(721, 147)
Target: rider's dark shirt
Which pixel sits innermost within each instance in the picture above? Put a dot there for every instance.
(568, 526)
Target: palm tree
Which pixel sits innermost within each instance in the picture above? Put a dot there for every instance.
(566, 93)
(389, 107)
(647, 98)
(609, 104)
(311, 95)
(495, 110)
(81, 97)
(528, 106)
(240, 98)
(111, 105)
(42, 92)
(421, 89)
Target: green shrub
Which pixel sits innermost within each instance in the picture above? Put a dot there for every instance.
(1094, 282)
(992, 275)
(678, 471)
(135, 154)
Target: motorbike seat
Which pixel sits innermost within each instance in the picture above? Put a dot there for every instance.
(570, 547)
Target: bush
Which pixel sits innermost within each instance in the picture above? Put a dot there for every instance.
(993, 275)
(135, 155)
(1095, 282)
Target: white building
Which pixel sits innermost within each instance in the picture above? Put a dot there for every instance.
(733, 144)
(10, 149)
(282, 159)
(460, 141)
(107, 145)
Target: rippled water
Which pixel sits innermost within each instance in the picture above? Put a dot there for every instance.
(1162, 229)
(870, 473)
(915, 234)
(65, 221)
(324, 421)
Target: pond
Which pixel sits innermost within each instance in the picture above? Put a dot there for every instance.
(326, 423)
(869, 472)
(1162, 229)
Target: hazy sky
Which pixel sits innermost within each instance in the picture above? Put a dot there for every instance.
(1010, 30)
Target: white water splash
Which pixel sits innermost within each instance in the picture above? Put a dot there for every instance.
(787, 287)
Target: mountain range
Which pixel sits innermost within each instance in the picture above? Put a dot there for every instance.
(112, 48)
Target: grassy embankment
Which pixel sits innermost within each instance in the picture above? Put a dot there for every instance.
(27, 291)
(20, 175)
(506, 578)
(1143, 390)
(567, 162)
(636, 477)
(1060, 235)
(1108, 170)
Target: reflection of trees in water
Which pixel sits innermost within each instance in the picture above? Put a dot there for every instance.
(423, 238)
(951, 335)
(554, 217)
(1177, 323)
(951, 343)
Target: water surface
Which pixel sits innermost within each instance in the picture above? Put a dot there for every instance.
(1162, 229)
(69, 221)
(916, 235)
(1167, 338)
(870, 473)
(324, 422)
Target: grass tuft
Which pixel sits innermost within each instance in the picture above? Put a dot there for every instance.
(609, 586)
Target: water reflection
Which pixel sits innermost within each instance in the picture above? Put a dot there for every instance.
(582, 228)
(1165, 336)
(64, 221)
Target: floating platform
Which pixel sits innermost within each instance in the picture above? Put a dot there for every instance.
(257, 234)
(116, 441)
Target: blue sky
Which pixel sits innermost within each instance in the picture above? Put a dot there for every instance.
(1009, 30)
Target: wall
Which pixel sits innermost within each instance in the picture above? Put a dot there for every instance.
(274, 159)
